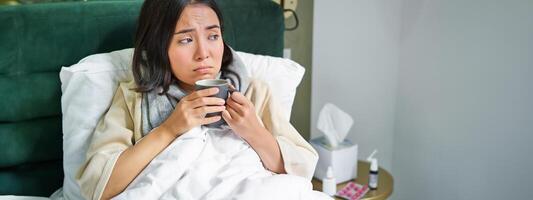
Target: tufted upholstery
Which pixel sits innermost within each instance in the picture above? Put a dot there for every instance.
(37, 40)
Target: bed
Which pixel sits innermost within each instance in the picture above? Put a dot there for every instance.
(38, 39)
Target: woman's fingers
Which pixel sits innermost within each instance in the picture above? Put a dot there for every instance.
(233, 114)
(239, 98)
(207, 101)
(192, 109)
(209, 120)
(235, 106)
(201, 103)
(226, 116)
(202, 111)
(201, 93)
(232, 88)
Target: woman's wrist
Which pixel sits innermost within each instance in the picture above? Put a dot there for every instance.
(257, 136)
(167, 131)
(174, 127)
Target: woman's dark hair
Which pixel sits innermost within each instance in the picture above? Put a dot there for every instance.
(155, 29)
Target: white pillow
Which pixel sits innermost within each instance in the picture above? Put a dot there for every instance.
(88, 88)
(282, 76)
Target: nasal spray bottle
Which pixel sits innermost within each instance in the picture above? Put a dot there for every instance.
(329, 185)
(373, 176)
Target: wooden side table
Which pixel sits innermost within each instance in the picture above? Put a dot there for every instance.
(385, 182)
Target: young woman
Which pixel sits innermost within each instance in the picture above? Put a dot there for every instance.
(177, 43)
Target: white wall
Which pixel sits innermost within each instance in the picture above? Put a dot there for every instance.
(464, 112)
(444, 88)
(355, 51)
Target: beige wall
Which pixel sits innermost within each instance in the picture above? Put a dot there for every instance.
(300, 42)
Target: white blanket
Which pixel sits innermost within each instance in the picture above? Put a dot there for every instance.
(207, 163)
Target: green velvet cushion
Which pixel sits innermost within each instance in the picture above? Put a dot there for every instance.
(35, 179)
(38, 39)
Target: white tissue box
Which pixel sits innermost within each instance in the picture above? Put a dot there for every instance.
(343, 159)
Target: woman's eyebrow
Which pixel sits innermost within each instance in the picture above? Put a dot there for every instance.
(192, 29)
(212, 27)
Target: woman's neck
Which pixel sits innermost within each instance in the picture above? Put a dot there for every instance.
(188, 88)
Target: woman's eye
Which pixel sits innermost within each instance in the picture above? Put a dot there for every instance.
(213, 37)
(185, 41)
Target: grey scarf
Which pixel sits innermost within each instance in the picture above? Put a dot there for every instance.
(157, 108)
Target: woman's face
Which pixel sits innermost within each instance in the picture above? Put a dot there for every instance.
(196, 49)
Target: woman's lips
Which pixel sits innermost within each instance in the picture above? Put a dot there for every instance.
(203, 70)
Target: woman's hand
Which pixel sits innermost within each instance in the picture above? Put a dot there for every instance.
(191, 110)
(240, 115)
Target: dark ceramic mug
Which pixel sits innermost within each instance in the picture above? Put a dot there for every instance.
(223, 93)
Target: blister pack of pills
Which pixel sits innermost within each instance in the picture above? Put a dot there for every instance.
(353, 191)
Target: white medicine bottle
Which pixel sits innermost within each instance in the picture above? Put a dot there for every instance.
(373, 176)
(329, 186)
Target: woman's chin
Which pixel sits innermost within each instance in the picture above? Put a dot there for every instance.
(205, 76)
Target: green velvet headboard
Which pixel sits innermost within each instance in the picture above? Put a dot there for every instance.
(37, 40)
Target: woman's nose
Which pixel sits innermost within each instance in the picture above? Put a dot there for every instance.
(201, 52)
